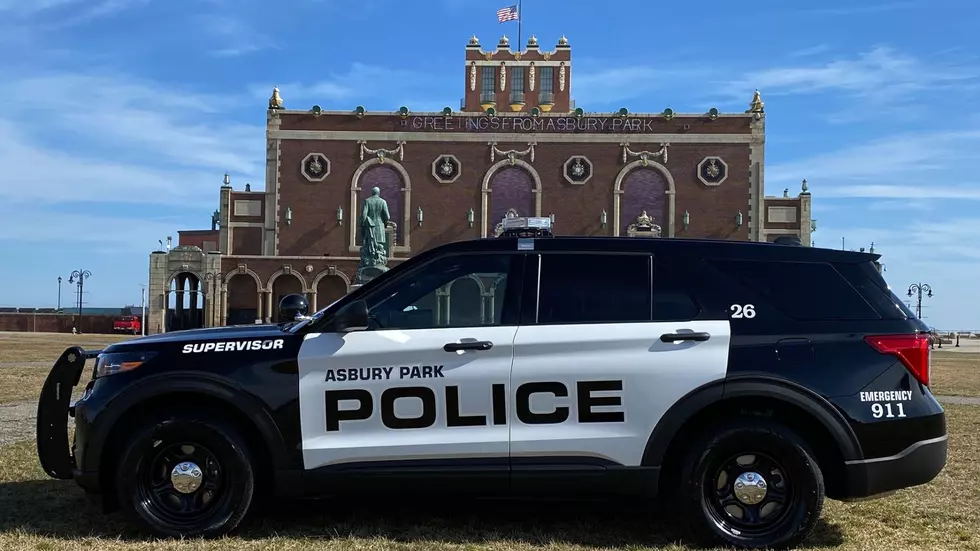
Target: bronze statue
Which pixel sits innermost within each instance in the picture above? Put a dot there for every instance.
(373, 222)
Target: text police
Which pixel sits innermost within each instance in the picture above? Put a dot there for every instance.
(584, 399)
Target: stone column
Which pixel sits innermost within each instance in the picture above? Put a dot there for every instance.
(224, 304)
(179, 300)
(258, 305)
(195, 286)
(313, 307)
(269, 314)
(155, 295)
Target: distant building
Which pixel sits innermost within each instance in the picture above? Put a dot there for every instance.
(517, 145)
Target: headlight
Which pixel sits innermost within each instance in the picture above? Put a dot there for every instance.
(110, 364)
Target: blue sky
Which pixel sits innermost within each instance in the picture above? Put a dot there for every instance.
(121, 116)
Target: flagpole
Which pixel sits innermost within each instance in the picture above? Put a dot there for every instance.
(520, 22)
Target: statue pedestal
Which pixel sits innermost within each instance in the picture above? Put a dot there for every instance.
(367, 273)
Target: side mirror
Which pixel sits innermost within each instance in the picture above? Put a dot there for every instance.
(352, 317)
(293, 307)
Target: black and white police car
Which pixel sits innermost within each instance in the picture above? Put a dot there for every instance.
(743, 382)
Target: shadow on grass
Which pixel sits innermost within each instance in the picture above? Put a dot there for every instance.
(59, 509)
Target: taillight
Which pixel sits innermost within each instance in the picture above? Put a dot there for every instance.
(912, 350)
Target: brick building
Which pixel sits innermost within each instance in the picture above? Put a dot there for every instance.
(517, 145)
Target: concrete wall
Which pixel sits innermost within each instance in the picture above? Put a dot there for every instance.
(55, 323)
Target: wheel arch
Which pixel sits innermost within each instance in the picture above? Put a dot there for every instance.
(818, 422)
(186, 391)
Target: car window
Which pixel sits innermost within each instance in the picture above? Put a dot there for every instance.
(672, 300)
(594, 288)
(466, 290)
(810, 291)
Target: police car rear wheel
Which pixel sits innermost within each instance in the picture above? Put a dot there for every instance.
(752, 484)
(186, 476)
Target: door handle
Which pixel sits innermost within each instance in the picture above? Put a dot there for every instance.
(472, 345)
(673, 337)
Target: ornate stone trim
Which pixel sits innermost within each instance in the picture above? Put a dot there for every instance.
(645, 156)
(485, 194)
(618, 193)
(561, 76)
(530, 76)
(315, 167)
(288, 271)
(243, 269)
(511, 154)
(331, 271)
(712, 171)
(446, 168)
(381, 153)
(577, 170)
(503, 76)
(472, 76)
(406, 191)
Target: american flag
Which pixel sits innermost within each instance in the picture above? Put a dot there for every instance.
(507, 14)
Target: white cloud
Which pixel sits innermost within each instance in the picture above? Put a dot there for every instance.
(901, 167)
(57, 14)
(881, 76)
(376, 87)
(141, 142)
(233, 35)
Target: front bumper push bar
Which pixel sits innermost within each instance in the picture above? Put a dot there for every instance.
(53, 448)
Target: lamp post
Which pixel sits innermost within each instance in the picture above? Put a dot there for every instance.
(143, 310)
(79, 277)
(919, 288)
(59, 293)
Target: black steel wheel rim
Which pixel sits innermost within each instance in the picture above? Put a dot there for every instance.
(731, 513)
(163, 501)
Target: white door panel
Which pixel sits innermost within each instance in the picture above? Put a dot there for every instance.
(653, 374)
(392, 354)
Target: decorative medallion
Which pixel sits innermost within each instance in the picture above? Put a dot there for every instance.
(316, 167)
(309, 268)
(561, 77)
(446, 169)
(472, 76)
(712, 171)
(577, 169)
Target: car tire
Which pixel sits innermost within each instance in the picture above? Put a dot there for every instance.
(721, 508)
(214, 482)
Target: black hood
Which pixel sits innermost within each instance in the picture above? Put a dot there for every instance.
(267, 330)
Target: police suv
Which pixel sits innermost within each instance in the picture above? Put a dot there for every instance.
(743, 382)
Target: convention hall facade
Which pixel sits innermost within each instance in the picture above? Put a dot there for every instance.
(516, 145)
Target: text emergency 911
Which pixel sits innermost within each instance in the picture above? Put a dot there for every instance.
(585, 401)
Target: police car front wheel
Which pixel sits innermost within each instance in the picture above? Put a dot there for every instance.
(752, 484)
(186, 475)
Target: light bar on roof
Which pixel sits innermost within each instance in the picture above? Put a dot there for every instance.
(527, 223)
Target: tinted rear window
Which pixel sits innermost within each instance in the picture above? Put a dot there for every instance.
(594, 288)
(810, 291)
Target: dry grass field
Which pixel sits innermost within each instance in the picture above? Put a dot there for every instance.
(37, 513)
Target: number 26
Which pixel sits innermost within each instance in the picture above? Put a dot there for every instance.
(742, 311)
